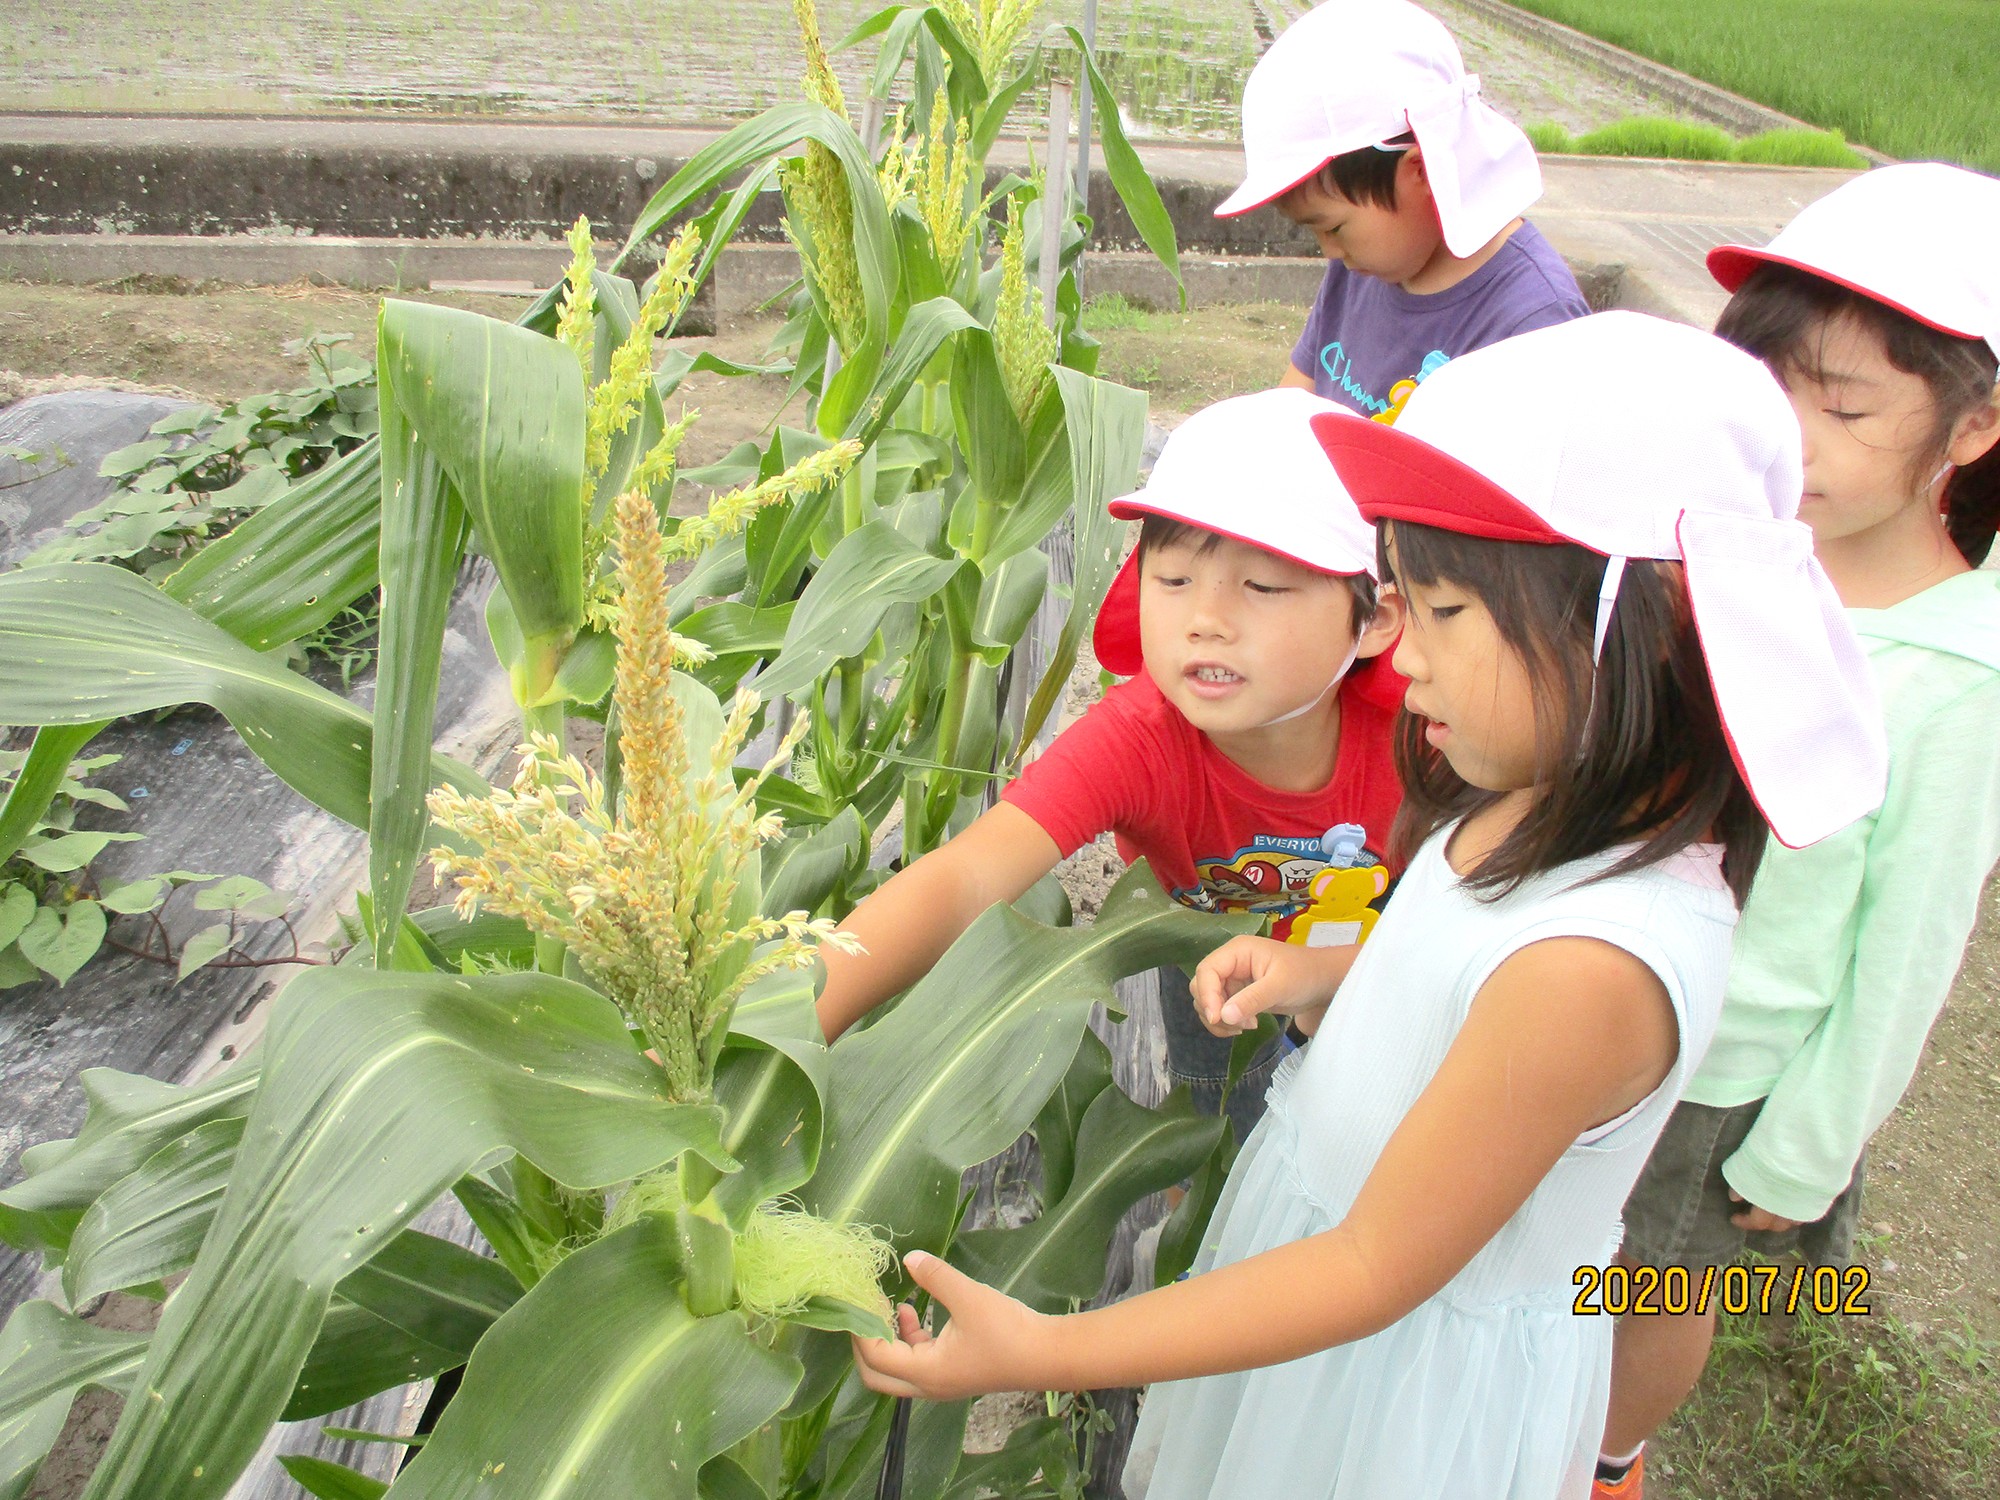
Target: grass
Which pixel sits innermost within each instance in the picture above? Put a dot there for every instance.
(1115, 312)
(1184, 361)
(1676, 140)
(1837, 1409)
(1917, 78)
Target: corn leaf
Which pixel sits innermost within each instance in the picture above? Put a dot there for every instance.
(1129, 177)
(325, 1480)
(990, 437)
(150, 1224)
(925, 331)
(661, 1393)
(449, 1070)
(277, 576)
(502, 411)
(770, 1082)
(1056, 1126)
(423, 528)
(128, 1119)
(1123, 1152)
(38, 781)
(132, 649)
(869, 572)
(415, 1310)
(964, 1063)
(46, 1357)
(296, 563)
(1106, 425)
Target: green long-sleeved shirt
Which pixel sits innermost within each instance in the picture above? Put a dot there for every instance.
(1847, 949)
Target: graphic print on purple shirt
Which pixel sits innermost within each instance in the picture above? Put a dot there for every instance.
(1367, 342)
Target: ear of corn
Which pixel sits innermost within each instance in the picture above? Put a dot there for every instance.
(784, 1257)
(820, 213)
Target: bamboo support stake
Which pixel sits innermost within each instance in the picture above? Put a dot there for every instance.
(1055, 196)
(1084, 102)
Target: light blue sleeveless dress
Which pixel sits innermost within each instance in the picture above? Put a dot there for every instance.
(1492, 1388)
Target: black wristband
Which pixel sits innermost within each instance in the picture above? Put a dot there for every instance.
(1297, 1037)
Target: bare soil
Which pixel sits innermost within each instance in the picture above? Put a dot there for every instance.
(1185, 361)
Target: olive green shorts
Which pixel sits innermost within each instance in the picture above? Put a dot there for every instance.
(1678, 1211)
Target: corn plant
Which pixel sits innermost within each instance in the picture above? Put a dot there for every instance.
(697, 1227)
(890, 605)
(608, 1056)
(924, 577)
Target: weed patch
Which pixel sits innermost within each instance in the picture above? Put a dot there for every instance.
(1677, 140)
(1916, 79)
(1845, 1409)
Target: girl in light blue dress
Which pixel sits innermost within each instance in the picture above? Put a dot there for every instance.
(1625, 667)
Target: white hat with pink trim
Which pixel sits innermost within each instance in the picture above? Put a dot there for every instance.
(1922, 237)
(1247, 468)
(1356, 73)
(1639, 438)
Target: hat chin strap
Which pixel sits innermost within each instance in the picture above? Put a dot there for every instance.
(1314, 701)
(1607, 601)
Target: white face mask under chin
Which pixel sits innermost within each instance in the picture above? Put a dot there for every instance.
(1313, 702)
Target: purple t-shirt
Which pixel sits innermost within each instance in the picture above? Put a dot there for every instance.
(1368, 342)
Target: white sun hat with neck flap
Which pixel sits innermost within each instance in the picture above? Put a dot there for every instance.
(1639, 438)
(1350, 74)
(1922, 237)
(1251, 469)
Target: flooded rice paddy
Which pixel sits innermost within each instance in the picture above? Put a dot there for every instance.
(1177, 65)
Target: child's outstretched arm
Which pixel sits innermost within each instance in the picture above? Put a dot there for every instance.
(1566, 1034)
(907, 924)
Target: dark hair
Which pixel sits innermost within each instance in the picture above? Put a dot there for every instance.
(1644, 761)
(1163, 531)
(1364, 176)
(1781, 315)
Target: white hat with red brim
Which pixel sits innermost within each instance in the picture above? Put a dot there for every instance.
(1251, 469)
(1922, 237)
(1639, 438)
(1350, 74)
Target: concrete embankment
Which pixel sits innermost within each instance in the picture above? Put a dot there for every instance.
(386, 203)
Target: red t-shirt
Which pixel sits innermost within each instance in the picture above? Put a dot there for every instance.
(1217, 838)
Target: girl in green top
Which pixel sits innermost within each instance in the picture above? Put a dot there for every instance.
(1879, 309)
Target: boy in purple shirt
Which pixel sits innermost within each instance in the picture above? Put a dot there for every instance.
(1362, 125)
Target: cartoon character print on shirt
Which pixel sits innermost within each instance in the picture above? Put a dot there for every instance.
(1338, 367)
(1316, 892)
(1399, 393)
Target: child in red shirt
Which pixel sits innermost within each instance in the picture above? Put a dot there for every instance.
(1234, 756)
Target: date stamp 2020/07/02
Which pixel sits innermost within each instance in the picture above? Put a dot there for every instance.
(1617, 1291)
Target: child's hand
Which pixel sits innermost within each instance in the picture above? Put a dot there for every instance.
(1753, 1217)
(1248, 976)
(992, 1342)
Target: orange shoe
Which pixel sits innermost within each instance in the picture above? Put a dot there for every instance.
(1631, 1487)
